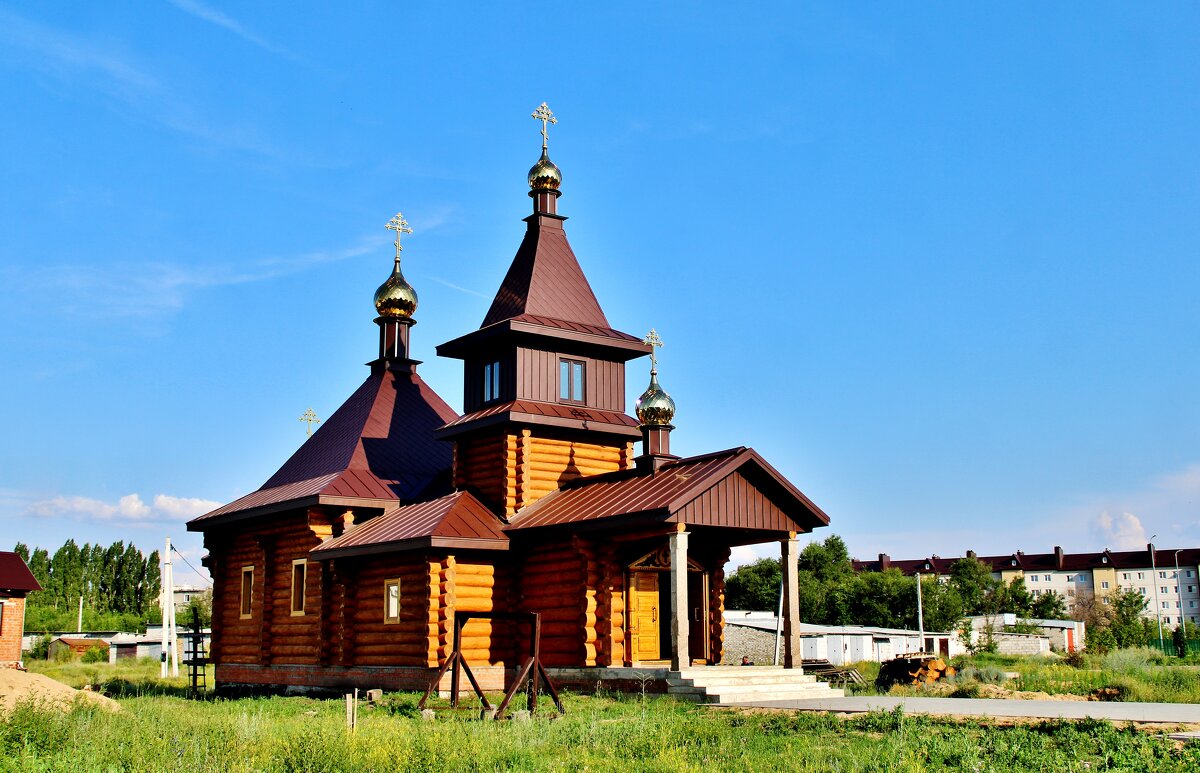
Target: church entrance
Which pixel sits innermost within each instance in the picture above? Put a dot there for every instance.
(650, 610)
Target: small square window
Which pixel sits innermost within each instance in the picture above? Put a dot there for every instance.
(1125, 576)
(1104, 585)
(1141, 575)
(247, 591)
(391, 601)
(1162, 575)
(570, 381)
(299, 575)
(1163, 589)
(1033, 578)
(1047, 578)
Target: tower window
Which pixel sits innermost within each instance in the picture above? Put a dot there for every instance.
(491, 382)
(570, 381)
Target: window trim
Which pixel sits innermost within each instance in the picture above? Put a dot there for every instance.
(246, 605)
(569, 384)
(302, 563)
(389, 619)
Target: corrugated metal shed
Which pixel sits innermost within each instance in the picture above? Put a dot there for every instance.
(15, 575)
(378, 445)
(734, 488)
(458, 520)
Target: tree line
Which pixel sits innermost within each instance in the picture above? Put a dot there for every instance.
(117, 579)
(832, 593)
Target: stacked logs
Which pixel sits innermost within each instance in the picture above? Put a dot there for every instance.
(483, 641)
(913, 669)
(553, 583)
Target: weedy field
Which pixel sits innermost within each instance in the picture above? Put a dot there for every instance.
(157, 730)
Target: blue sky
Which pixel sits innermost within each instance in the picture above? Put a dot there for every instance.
(937, 264)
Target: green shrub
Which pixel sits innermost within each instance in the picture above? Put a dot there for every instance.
(96, 655)
(968, 689)
(1132, 660)
(983, 674)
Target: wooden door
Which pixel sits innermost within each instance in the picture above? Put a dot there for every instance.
(646, 632)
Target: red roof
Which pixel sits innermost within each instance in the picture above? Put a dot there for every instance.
(545, 280)
(457, 520)
(670, 493)
(378, 445)
(568, 415)
(14, 574)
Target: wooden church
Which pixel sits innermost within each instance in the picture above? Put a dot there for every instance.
(348, 566)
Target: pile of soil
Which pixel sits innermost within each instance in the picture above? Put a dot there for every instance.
(21, 685)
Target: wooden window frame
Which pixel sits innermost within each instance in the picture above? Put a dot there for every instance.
(390, 619)
(491, 382)
(568, 385)
(246, 600)
(303, 564)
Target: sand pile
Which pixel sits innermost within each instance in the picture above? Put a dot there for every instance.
(18, 685)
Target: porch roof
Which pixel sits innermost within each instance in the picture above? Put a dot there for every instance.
(457, 520)
(734, 489)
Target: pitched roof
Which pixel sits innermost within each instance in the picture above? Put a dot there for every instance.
(750, 495)
(378, 445)
(457, 520)
(14, 574)
(545, 280)
(553, 414)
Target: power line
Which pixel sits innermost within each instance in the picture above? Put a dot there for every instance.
(175, 550)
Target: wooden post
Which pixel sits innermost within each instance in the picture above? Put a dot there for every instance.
(680, 654)
(791, 603)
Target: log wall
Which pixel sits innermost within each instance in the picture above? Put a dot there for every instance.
(561, 580)
(514, 470)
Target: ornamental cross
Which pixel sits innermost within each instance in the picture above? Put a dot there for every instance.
(309, 418)
(400, 226)
(653, 341)
(544, 115)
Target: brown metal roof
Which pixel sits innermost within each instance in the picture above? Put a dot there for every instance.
(378, 445)
(578, 327)
(670, 493)
(517, 410)
(15, 575)
(545, 279)
(457, 520)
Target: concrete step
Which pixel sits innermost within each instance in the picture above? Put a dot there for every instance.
(718, 679)
(751, 696)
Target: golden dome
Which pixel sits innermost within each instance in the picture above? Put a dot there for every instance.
(545, 175)
(655, 406)
(396, 297)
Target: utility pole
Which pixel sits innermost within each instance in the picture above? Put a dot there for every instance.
(168, 615)
(1157, 606)
(920, 612)
(79, 624)
(1178, 591)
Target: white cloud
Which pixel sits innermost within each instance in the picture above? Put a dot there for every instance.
(213, 16)
(183, 507)
(1125, 532)
(129, 509)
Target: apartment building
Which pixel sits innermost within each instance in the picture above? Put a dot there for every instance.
(1168, 578)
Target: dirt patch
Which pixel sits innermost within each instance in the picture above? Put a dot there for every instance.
(996, 691)
(20, 685)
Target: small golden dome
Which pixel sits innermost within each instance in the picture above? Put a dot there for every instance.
(655, 406)
(545, 175)
(396, 297)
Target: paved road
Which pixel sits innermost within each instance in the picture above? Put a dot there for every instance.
(1175, 713)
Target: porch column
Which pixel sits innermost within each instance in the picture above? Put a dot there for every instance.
(680, 653)
(791, 603)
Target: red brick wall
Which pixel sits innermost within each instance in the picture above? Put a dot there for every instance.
(11, 627)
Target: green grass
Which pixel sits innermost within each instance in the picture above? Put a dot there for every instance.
(159, 732)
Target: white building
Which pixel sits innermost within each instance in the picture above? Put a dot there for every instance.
(1169, 579)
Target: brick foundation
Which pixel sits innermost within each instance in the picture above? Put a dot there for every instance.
(12, 625)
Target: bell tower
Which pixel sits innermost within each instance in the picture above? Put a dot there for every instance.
(544, 375)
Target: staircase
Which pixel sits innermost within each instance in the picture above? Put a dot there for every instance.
(746, 684)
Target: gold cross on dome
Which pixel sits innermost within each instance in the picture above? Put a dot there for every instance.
(400, 226)
(654, 342)
(544, 115)
(309, 418)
